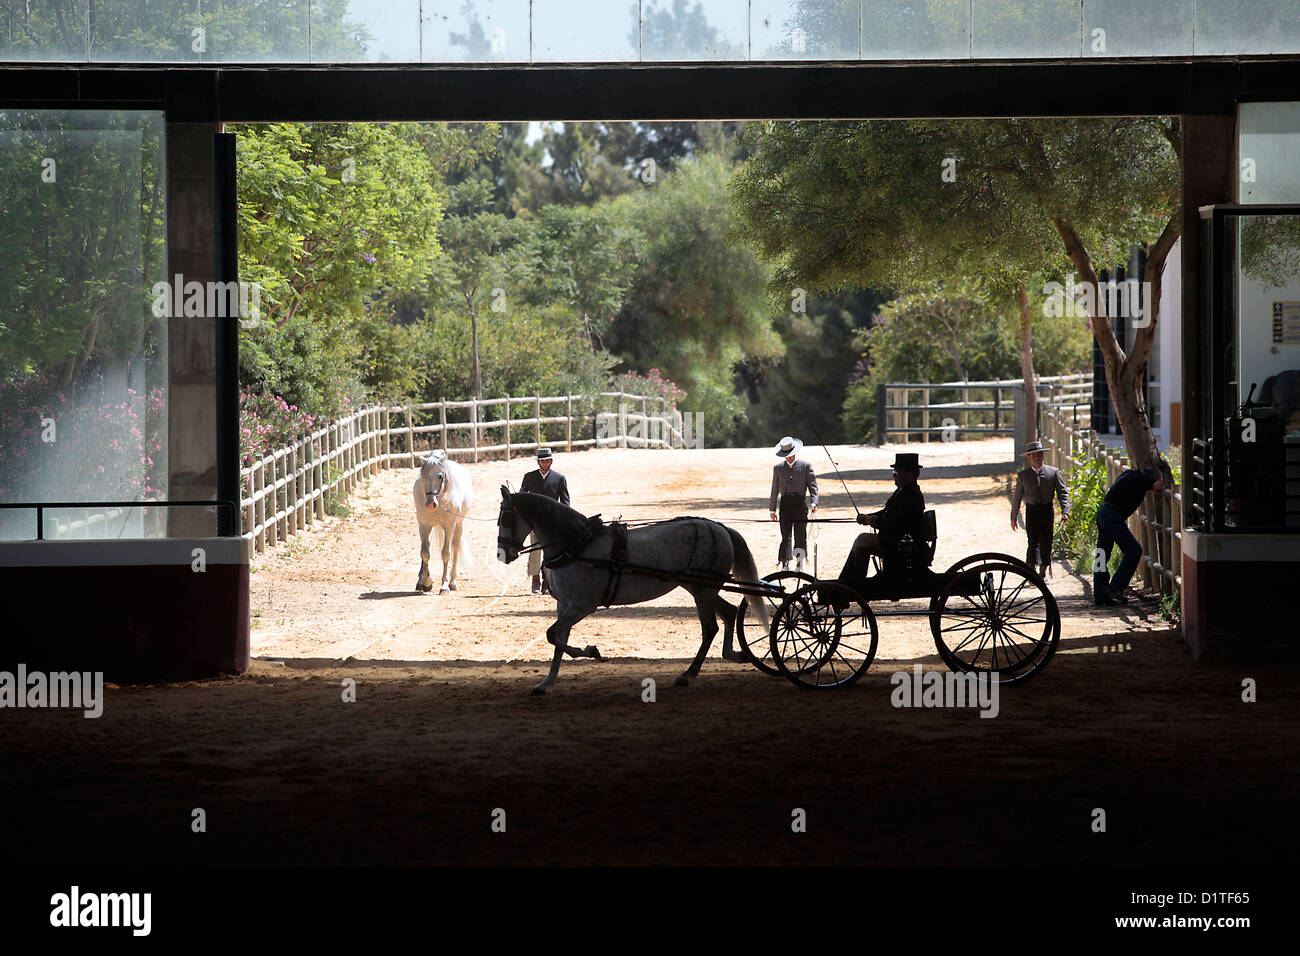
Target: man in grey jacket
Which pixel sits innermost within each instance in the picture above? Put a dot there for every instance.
(791, 479)
(1035, 486)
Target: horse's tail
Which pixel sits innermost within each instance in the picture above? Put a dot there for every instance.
(744, 569)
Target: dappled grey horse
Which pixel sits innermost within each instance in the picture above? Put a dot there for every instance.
(442, 497)
(691, 553)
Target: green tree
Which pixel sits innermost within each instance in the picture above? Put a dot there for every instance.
(843, 205)
(584, 256)
(696, 307)
(336, 221)
(486, 257)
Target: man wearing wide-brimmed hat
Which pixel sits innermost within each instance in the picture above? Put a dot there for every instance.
(791, 480)
(1036, 485)
(545, 480)
(904, 513)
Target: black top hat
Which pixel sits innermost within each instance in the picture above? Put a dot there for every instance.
(906, 459)
(544, 453)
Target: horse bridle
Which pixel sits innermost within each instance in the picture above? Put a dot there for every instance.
(428, 488)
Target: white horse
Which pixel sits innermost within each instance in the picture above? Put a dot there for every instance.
(443, 496)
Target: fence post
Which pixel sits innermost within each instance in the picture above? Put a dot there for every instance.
(281, 489)
(388, 438)
(442, 420)
(925, 415)
(507, 428)
(997, 405)
(410, 434)
(568, 422)
(291, 491)
(249, 517)
(259, 507)
(622, 422)
(473, 430)
(537, 414)
(372, 441)
(318, 477)
(881, 402)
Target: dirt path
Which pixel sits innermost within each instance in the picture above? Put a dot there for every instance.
(347, 589)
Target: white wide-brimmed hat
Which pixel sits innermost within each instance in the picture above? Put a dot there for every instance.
(788, 446)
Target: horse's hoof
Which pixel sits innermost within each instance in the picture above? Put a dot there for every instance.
(591, 651)
(539, 691)
(444, 589)
(682, 681)
(451, 587)
(736, 657)
(423, 587)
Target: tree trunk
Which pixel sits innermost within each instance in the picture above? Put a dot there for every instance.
(1124, 372)
(473, 331)
(1030, 410)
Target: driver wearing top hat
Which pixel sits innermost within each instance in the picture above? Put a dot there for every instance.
(904, 513)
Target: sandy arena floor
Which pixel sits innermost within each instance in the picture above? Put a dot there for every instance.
(347, 590)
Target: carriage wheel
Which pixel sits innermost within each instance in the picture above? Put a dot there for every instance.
(997, 617)
(757, 646)
(819, 646)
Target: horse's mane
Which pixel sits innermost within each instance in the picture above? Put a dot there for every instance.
(549, 515)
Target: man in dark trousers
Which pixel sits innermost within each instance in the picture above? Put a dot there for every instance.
(1036, 486)
(904, 513)
(545, 480)
(791, 480)
(1123, 498)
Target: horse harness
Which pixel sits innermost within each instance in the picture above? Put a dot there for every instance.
(618, 562)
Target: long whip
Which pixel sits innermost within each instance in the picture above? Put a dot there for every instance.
(835, 467)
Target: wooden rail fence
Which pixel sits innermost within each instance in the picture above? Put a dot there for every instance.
(992, 413)
(1158, 522)
(294, 486)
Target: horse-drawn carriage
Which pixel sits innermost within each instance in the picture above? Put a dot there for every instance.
(989, 613)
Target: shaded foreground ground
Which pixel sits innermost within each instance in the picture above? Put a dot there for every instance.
(443, 732)
(411, 772)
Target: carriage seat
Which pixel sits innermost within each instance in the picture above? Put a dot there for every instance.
(913, 555)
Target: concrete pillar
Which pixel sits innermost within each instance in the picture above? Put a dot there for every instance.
(191, 352)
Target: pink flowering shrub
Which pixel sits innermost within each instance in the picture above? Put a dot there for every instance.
(267, 422)
(109, 451)
(651, 385)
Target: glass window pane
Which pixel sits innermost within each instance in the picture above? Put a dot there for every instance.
(83, 359)
(1247, 26)
(1033, 28)
(365, 31)
(42, 30)
(1268, 147)
(585, 31)
(184, 31)
(1264, 473)
(483, 31)
(1137, 27)
(253, 31)
(695, 29)
(803, 30)
(140, 31)
(915, 29)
